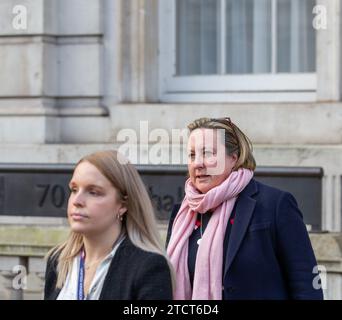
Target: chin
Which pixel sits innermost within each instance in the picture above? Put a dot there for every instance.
(77, 228)
(203, 189)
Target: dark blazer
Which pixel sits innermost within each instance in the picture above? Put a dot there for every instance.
(134, 274)
(269, 253)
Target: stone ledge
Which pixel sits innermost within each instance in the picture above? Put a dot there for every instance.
(30, 240)
(328, 250)
(36, 240)
(285, 123)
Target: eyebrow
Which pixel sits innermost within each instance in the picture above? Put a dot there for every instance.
(87, 186)
(204, 148)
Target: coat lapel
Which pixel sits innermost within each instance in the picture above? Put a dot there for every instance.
(54, 294)
(243, 214)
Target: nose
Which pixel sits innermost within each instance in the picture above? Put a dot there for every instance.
(77, 199)
(198, 162)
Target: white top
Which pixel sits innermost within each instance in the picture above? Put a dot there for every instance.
(69, 290)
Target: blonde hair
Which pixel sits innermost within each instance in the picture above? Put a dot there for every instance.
(139, 220)
(236, 142)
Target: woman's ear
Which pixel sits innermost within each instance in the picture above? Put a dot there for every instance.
(122, 210)
(233, 160)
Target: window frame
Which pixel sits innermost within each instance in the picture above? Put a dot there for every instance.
(279, 87)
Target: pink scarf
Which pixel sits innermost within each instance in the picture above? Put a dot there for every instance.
(207, 284)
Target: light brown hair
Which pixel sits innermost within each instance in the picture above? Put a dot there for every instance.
(236, 142)
(139, 221)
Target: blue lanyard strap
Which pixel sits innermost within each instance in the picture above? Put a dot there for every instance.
(80, 287)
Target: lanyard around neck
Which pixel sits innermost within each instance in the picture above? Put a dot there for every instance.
(80, 286)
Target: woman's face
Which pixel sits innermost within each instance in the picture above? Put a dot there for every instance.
(208, 163)
(93, 204)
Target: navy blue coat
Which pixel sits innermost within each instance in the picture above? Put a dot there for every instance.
(269, 253)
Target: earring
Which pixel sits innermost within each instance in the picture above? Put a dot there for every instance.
(119, 217)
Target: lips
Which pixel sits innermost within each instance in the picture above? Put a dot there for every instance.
(79, 216)
(202, 176)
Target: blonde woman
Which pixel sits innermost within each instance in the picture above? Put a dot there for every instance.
(114, 250)
(234, 237)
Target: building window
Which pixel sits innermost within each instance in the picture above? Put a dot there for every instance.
(225, 47)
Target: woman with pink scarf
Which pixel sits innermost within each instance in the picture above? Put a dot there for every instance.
(233, 237)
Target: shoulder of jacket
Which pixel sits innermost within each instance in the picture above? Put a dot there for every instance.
(136, 253)
(269, 190)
